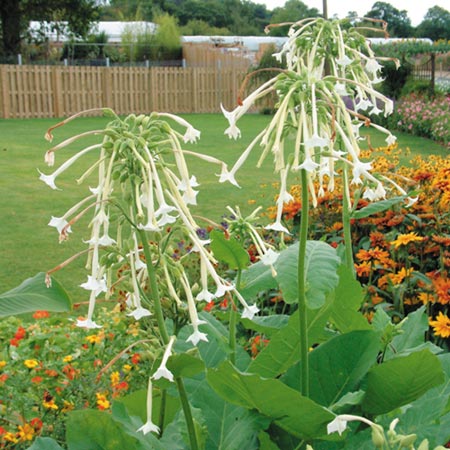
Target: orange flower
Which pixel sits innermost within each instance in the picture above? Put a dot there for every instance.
(102, 402)
(26, 432)
(36, 380)
(41, 315)
(363, 269)
(441, 326)
(442, 286)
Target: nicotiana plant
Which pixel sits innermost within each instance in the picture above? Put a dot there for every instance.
(324, 361)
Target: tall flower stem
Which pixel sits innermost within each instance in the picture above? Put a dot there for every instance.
(154, 292)
(301, 286)
(346, 224)
(232, 324)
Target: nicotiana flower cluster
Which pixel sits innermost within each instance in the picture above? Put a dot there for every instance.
(313, 129)
(142, 196)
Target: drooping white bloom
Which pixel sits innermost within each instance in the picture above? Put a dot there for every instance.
(139, 312)
(197, 336)
(277, 226)
(363, 104)
(233, 132)
(59, 223)
(87, 323)
(359, 169)
(269, 257)
(149, 426)
(95, 285)
(338, 424)
(191, 135)
(340, 89)
(316, 141)
(163, 371)
(391, 139)
(344, 61)
(372, 66)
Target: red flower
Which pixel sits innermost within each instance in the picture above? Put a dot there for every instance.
(209, 306)
(136, 358)
(36, 423)
(41, 315)
(37, 380)
(20, 333)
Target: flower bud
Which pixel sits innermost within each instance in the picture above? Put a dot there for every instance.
(423, 445)
(407, 441)
(378, 438)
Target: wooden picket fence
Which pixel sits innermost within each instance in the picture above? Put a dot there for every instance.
(59, 91)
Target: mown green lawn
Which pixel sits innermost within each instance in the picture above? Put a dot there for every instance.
(28, 245)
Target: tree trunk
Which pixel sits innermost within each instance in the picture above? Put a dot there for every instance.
(10, 16)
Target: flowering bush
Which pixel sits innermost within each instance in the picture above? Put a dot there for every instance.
(49, 367)
(421, 116)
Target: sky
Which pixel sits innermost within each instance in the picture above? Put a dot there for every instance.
(416, 8)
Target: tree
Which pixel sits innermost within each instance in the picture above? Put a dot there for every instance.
(399, 24)
(292, 11)
(16, 14)
(435, 25)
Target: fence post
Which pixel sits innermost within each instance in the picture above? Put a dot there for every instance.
(433, 73)
(56, 83)
(5, 104)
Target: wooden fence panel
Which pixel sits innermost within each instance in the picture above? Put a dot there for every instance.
(58, 91)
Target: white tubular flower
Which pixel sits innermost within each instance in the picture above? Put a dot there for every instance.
(49, 180)
(149, 426)
(233, 132)
(59, 223)
(163, 371)
(277, 225)
(249, 311)
(197, 335)
(375, 110)
(391, 139)
(372, 66)
(344, 61)
(363, 104)
(49, 158)
(204, 294)
(308, 164)
(340, 89)
(225, 175)
(338, 424)
(269, 257)
(95, 285)
(191, 135)
(360, 169)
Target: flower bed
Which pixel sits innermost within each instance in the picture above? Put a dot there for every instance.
(421, 116)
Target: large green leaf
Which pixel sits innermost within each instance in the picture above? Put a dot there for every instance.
(229, 251)
(377, 207)
(400, 381)
(321, 274)
(348, 297)
(338, 366)
(429, 416)
(45, 443)
(321, 277)
(282, 352)
(33, 295)
(298, 415)
(266, 324)
(412, 336)
(96, 430)
(230, 427)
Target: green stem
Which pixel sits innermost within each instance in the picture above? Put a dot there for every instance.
(232, 324)
(162, 411)
(346, 224)
(303, 322)
(154, 292)
(187, 413)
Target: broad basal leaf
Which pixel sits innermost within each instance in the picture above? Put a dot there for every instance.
(400, 381)
(33, 295)
(296, 414)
